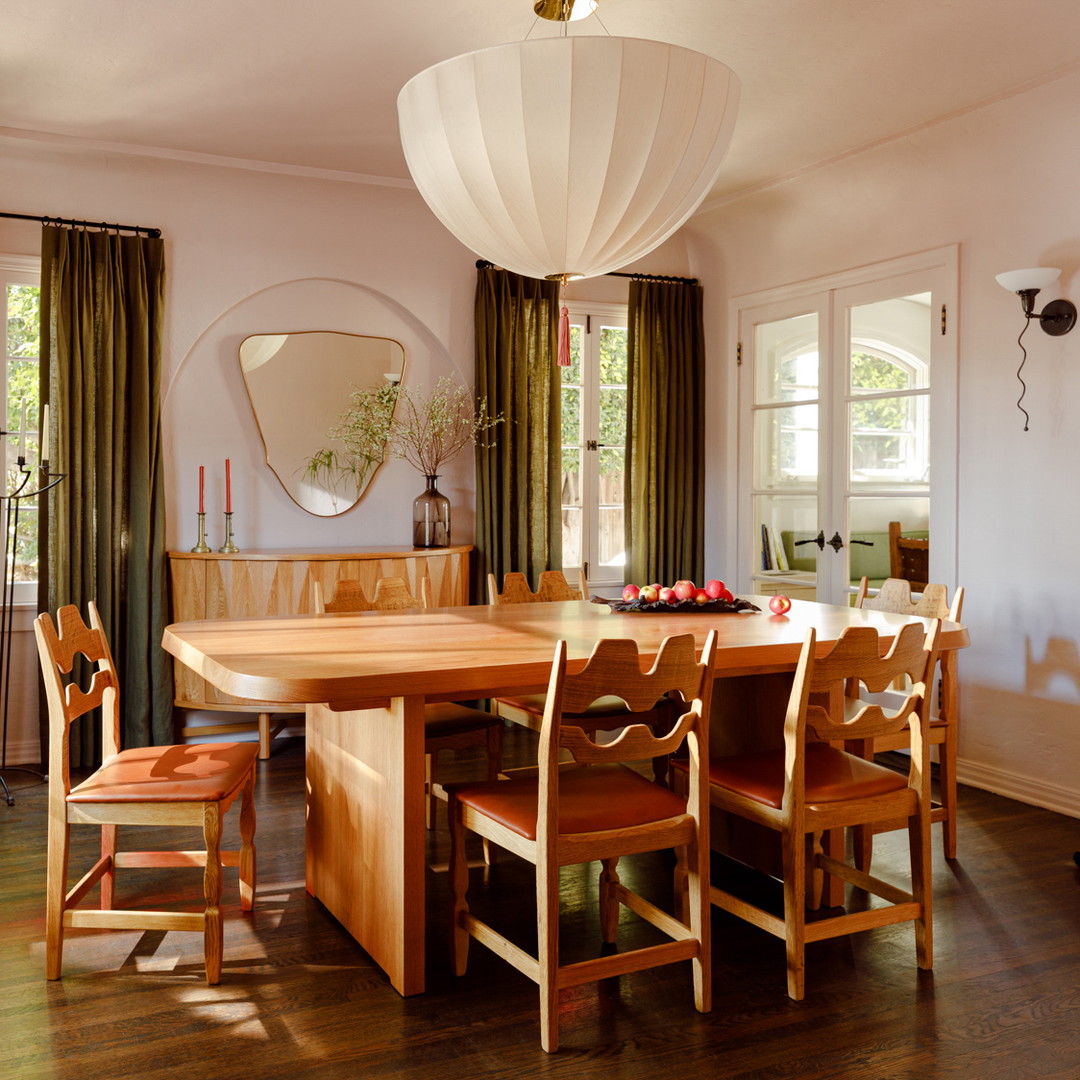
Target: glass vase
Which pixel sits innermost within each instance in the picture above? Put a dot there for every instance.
(431, 517)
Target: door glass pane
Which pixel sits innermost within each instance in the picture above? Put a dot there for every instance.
(869, 522)
(786, 447)
(786, 360)
(890, 345)
(611, 542)
(890, 442)
(784, 523)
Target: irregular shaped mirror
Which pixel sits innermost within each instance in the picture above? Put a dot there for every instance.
(299, 385)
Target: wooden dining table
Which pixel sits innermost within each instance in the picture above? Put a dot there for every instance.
(365, 677)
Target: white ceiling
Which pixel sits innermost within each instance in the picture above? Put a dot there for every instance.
(312, 84)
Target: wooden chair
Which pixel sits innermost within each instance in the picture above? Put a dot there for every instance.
(553, 586)
(895, 596)
(447, 725)
(909, 559)
(606, 714)
(596, 808)
(807, 788)
(155, 785)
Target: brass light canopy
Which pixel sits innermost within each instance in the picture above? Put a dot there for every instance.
(564, 10)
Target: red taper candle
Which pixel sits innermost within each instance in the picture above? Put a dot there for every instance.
(228, 488)
(202, 487)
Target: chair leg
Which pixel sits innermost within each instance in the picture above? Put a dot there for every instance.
(212, 930)
(108, 879)
(794, 856)
(431, 802)
(459, 884)
(922, 890)
(609, 904)
(55, 891)
(264, 736)
(547, 950)
(247, 845)
(699, 909)
(947, 785)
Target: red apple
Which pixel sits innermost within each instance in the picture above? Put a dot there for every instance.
(630, 593)
(701, 596)
(715, 589)
(726, 594)
(779, 605)
(667, 596)
(684, 590)
(649, 594)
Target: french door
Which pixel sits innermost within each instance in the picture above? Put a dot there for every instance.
(594, 444)
(847, 395)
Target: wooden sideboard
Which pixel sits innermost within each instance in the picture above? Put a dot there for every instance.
(250, 584)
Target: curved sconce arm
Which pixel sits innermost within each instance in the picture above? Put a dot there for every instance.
(1057, 318)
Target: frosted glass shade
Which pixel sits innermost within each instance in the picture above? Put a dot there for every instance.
(570, 155)
(1036, 277)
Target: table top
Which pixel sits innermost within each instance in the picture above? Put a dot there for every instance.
(483, 650)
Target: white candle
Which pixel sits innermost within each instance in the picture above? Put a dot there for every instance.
(22, 432)
(44, 435)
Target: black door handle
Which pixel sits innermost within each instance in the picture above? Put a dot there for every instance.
(819, 540)
(836, 543)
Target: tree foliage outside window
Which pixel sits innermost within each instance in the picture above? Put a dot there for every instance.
(22, 335)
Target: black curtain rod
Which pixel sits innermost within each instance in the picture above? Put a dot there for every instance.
(483, 264)
(154, 234)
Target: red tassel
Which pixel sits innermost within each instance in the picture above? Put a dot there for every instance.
(564, 338)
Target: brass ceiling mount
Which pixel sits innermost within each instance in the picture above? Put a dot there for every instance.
(563, 10)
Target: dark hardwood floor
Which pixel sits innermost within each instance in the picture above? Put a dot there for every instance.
(298, 998)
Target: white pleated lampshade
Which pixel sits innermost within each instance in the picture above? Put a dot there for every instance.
(567, 155)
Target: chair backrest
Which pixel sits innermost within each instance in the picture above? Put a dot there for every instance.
(553, 586)
(59, 653)
(895, 596)
(614, 669)
(908, 558)
(856, 659)
(391, 594)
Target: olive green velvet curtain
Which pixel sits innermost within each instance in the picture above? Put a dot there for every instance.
(518, 473)
(102, 299)
(665, 477)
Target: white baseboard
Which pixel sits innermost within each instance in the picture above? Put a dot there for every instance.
(1023, 789)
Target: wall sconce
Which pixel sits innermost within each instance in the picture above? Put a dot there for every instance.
(1057, 318)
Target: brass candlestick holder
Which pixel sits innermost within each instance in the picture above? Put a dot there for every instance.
(228, 548)
(202, 546)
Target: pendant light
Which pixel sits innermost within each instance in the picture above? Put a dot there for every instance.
(567, 156)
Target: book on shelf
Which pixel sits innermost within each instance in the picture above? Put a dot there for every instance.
(779, 555)
(766, 549)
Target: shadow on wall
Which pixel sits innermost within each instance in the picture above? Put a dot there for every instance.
(1060, 661)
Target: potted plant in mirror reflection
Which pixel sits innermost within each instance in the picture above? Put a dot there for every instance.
(425, 428)
(363, 432)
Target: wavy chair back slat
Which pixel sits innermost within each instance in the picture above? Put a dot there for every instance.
(553, 586)
(614, 669)
(856, 659)
(895, 597)
(391, 594)
(67, 700)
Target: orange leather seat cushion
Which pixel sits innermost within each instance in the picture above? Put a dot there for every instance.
(204, 772)
(831, 776)
(448, 718)
(591, 799)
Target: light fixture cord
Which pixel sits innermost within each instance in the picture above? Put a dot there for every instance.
(1023, 385)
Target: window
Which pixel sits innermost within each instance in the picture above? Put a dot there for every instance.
(21, 395)
(594, 443)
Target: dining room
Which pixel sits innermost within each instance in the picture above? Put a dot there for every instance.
(270, 242)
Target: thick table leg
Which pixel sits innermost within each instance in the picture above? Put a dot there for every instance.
(365, 829)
